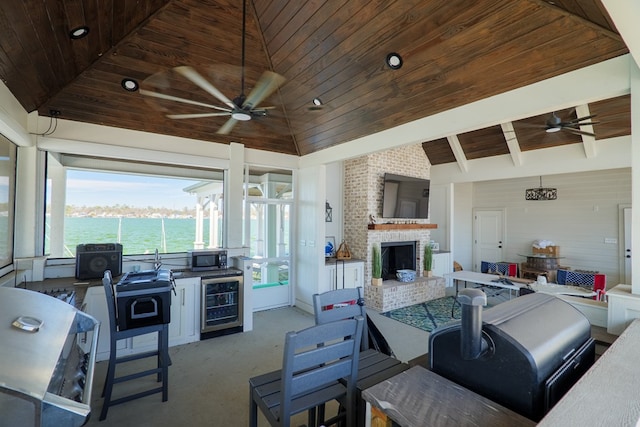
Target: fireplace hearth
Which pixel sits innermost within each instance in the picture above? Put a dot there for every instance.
(397, 256)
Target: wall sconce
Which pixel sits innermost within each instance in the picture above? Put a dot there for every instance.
(328, 212)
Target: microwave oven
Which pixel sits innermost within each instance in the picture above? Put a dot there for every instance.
(207, 259)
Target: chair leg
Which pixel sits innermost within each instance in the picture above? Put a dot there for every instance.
(108, 384)
(164, 351)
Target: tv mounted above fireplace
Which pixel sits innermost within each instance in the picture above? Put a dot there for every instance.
(405, 197)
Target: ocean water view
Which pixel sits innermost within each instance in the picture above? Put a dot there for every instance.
(136, 235)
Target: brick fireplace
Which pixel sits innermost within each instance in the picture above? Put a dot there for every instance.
(363, 180)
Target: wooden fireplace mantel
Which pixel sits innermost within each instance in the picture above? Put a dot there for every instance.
(400, 226)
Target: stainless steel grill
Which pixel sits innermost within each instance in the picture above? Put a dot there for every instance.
(47, 360)
(524, 354)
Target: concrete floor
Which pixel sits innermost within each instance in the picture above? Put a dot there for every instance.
(208, 380)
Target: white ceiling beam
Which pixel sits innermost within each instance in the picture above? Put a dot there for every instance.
(588, 142)
(458, 152)
(626, 15)
(512, 143)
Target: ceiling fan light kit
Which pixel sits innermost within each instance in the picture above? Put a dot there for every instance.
(541, 193)
(242, 108)
(555, 124)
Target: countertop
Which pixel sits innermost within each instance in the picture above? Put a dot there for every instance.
(336, 261)
(71, 284)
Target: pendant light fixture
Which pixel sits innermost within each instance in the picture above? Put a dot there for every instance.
(541, 193)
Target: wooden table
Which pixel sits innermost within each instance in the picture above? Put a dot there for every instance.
(482, 279)
(418, 397)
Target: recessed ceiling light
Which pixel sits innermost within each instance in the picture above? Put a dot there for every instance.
(317, 102)
(394, 61)
(130, 85)
(79, 32)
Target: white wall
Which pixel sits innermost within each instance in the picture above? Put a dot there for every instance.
(584, 215)
(462, 228)
(308, 253)
(335, 184)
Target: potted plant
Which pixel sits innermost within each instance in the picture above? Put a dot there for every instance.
(376, 266)
(427, 260)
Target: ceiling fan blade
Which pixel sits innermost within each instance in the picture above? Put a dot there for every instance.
(577, 125)
(196, 115)
(579, 119)
(200, 81)
(226, 128)
(266, 85)
(183, 100)
(579, 132)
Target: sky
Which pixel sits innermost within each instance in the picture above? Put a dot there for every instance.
(106, 189)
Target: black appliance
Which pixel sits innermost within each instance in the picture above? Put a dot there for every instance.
(93, 259)
(47, 360)
(524, 354)
(207, 259)
(144, 298)
(405, 197)
(222, 303)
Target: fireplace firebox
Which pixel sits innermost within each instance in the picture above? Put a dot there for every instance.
(397, 256)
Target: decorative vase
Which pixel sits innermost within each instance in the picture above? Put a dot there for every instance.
(376, 281)
(427, 273)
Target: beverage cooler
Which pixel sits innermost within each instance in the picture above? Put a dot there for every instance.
(222, 302)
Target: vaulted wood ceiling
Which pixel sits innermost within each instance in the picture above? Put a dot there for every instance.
(454, 53)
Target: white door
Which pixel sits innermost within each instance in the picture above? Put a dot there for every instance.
(627, 245)
(488, 232)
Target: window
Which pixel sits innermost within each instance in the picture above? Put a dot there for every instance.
(142, 211)
(269, 202)
(7, 199)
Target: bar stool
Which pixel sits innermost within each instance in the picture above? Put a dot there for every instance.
(162, 355)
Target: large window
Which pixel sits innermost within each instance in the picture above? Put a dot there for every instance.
(144, 212)
(7, 196)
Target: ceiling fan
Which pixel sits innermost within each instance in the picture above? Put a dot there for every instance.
(555, 124)
(241, 108)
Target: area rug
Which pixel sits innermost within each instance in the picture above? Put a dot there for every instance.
(429, 315)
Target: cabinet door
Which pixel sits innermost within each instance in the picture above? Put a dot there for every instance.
(353, 275)
(442, 265)
(330, 283)
(185, 323)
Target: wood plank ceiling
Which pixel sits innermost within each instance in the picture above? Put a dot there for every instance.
(454, 52)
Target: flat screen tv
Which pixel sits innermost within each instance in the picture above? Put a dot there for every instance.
(405, 197)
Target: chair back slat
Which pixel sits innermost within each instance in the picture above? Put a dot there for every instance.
(341, 304)
(315, 356)
(107, 282)
(309, 380)
(318, 356)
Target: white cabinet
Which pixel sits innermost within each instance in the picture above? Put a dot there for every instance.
(442, 265)
(185, 322)
(349, 274)
(624, 307)
(184, 327)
